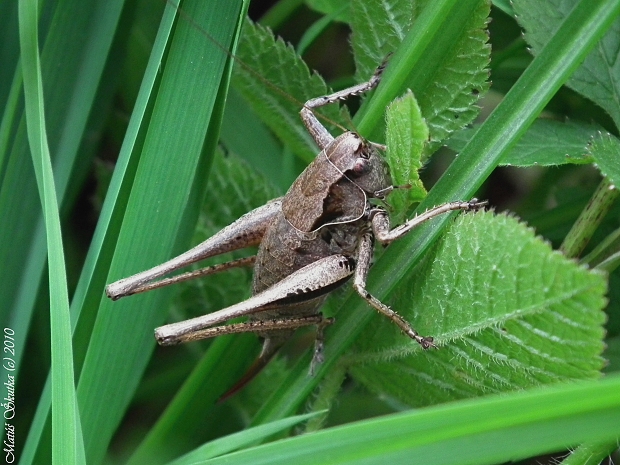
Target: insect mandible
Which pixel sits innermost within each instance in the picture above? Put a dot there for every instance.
(312, 240)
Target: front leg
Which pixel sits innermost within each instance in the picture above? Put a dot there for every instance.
(364, 256)
(318, 132)
(381, 220)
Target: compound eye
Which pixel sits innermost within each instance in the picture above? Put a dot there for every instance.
(362, 150)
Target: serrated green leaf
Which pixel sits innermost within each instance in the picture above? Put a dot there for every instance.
(502, 321)
(452, 83)
(377, 30)
(277, 82)
(598, 78)
(605, 149)
(546, 143)
(406, 135)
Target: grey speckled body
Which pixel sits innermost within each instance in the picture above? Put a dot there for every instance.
(333, 226)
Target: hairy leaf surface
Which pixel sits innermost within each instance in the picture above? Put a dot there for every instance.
(598, 78)
(506, 311)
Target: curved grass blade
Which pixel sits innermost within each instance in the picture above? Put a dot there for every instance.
(67, 441)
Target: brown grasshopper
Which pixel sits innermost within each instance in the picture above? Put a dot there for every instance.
(312, 240)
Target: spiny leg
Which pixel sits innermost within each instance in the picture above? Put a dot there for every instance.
(318, 132)
(304, 285)
(381, 221)
(208, 270)
(319, 344)
(258, 326)
(364, 257)
(245, 232)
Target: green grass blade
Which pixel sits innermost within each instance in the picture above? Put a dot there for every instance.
(159, 213)
(489, 430)
(239, 440)
(67, 441)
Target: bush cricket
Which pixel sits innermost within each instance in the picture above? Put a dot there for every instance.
(312, 240)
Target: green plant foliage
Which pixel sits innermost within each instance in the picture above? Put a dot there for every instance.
(509, 314)
(237, 441)
(67, 441)
(546, 143)
(598, 78)
(489, 430)
(605, 150)
(453, 83)
(407, 134)
(502, 321)
(277, 82)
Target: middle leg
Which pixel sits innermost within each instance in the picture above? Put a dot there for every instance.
(364, 256)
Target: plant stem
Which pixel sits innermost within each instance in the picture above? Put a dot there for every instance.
(589, 219)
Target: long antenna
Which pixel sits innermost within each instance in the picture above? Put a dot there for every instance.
(186, 17)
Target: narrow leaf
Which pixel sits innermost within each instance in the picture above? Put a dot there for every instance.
(237, 441)
(501, 428)
(67, 441)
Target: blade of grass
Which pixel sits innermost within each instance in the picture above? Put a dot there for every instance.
(236, 441)
(488, 430)
(159, 213)
(565, 51)
(193, 402)
(74, 86)
(80, 99)
(589, 219)
(67, 441)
